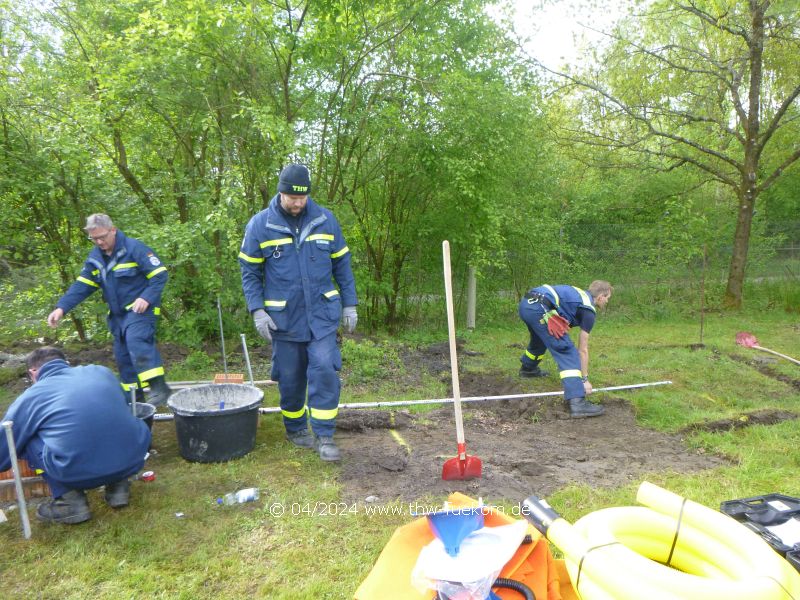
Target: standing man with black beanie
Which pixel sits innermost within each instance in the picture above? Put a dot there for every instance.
(291, 255)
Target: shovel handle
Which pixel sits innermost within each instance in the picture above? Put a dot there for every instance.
(789, 358)
(451, 329)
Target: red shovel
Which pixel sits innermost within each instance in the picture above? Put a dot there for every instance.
(462, 466)
(748, 340)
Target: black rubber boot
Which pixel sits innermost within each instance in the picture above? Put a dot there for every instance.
(580, 408)
(327, 448)
(159, 391)
(301, 439)
(118, 494)
(532, 372)
(71, 508)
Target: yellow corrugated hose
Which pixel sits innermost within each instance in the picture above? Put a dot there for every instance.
(669, 549)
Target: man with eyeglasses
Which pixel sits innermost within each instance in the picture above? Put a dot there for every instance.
(292, 253)
(132, 279)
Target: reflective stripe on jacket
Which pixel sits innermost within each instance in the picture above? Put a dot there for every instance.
(132, 271)
(567, 299)
(290, 272)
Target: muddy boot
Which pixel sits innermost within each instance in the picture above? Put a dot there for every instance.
(118, 494)
(580, 408)
(532, 372)
(72, 508)
(159, 391)
(327, 448)
(301, 439)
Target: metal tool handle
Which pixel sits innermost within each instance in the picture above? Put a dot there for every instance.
(21, 504)
(133, 400)
(222, 339)
(247, 360)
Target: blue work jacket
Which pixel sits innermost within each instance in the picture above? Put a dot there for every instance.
(289, 270)
(132, 271)
(81, 417)
(567, 299)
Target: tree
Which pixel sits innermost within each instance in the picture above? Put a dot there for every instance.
(706, 84)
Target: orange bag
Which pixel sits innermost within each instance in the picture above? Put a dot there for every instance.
(532, 564)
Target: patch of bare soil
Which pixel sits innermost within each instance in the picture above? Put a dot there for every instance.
(760, 417)
(761, 364)
(527, 446)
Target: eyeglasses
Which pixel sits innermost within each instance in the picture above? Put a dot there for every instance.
(98, 238)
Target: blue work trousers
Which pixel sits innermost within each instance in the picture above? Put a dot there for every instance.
(135, 346)
(311, 368)
(33, 454)
(563, 350)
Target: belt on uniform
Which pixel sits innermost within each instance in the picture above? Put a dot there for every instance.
(533, 297)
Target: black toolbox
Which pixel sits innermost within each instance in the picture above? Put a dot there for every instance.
(759, 512)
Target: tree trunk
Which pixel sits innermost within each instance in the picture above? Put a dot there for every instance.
(752, 149)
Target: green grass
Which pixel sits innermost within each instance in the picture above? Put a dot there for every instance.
(245, 551)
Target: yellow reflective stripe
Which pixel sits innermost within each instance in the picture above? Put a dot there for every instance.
(128, 386)
(124, 266)
(87, 281)
(331, 294)
(244, 256)
(156, 271)
(553, 291)
(275, 242)
(341, 252)
(570, 373)
(533, 356)
(96, 272)
(320, 236)
(156, 310)
(275, 303)
(294, 414)
(324, 415)
(585, 300)
(149, 374)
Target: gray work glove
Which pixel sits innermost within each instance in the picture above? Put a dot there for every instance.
(349, 319)
(264, 324)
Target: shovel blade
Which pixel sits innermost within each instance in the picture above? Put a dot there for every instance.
(457, 468)
(748, 340)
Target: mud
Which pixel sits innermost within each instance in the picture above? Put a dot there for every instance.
(527, 446)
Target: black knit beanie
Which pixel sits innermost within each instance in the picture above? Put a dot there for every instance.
(295, 180)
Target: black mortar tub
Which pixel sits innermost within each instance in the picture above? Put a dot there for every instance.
(216, 422)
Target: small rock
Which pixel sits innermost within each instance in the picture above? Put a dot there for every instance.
(371, 499)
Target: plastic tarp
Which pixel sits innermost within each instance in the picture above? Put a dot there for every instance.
(532, 564)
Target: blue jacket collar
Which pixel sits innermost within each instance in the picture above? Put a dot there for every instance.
(50, 367)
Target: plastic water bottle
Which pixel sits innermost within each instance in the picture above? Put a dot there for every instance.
(240, 497)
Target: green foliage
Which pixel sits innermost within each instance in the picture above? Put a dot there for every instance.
(365, 360)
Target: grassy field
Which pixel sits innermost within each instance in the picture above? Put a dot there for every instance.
(245, 551)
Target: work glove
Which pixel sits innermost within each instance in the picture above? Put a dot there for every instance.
(264, 324)
(349, 318)
(557, 325)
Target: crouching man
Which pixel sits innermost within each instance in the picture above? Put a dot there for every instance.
(75, 425)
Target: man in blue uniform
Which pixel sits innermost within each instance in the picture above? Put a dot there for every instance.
(74, 424)
(549, 312)
(291, 254)
(132, 278)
